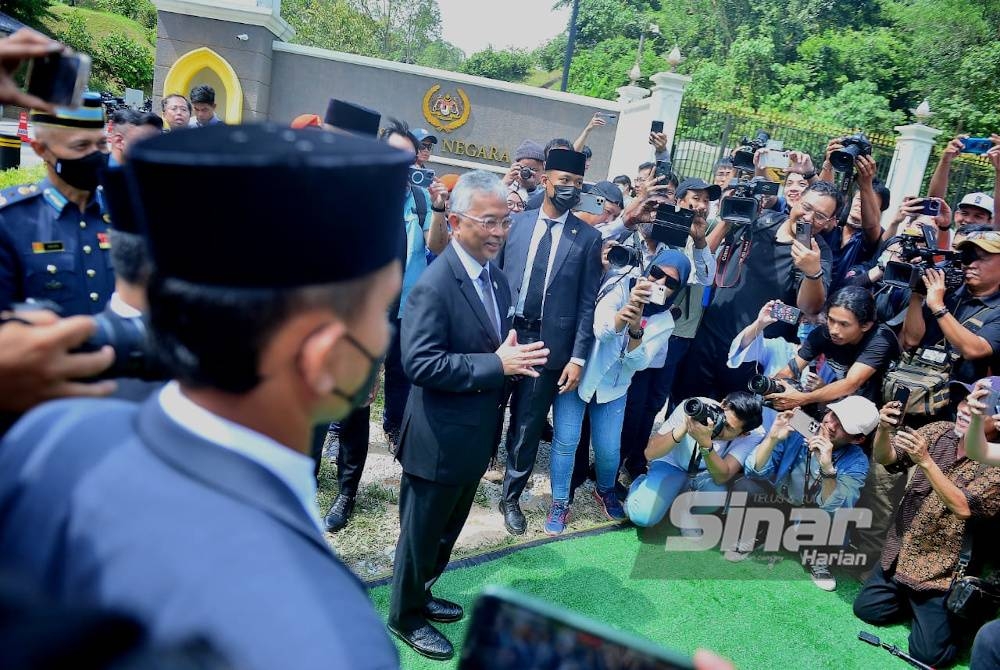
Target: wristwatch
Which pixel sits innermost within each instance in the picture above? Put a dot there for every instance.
(435, 209)
(808, 176)
(636, 334)
(828, 475)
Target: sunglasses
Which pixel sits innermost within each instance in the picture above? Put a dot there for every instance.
(655, 273)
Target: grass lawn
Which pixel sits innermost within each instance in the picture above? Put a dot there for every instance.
(100, 24)
(18, 176)
(759, 613)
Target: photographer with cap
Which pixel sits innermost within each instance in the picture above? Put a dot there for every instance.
(961, 325)
(948, 494)
(263, 342)
(759, 262)
(686, 454)
(613, 204)
(825, 469)
(425, 145)
(525, 172)
(553, 260)
(973, 208)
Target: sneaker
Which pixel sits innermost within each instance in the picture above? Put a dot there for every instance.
(609, 502)
(822, 577)
(741, 551)
(555, 522)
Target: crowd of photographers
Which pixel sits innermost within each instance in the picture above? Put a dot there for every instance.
(800, 355)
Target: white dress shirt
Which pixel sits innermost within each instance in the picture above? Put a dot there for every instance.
(294, 469)
(536, 237)
(122, 308)
(475, 268)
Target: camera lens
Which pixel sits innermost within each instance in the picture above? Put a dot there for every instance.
(621, 256)
(696, 409)
(526, 174)
(843, 159)
(764, 385)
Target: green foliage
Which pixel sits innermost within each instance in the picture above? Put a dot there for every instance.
(507, 65)
(31, 13)
(123, 63)
(76, 35)
(550, 55)
(442, 55)
(22, 175)
(142, 12)
(331, 25)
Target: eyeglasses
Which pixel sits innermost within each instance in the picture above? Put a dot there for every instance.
(488, 224)
(816, 216)
(656, 273)
(425, 147)
(515, 206)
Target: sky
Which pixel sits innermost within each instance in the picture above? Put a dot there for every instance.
(472, 25)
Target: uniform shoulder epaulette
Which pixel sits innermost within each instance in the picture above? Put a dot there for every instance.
(15, 194)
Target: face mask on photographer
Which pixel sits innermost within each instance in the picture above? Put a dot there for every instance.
(564, 197)
(82, 172)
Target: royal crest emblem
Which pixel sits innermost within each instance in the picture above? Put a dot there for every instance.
(445, 111)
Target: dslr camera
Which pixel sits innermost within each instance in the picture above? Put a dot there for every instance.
(743, 205)
(135, 355)
(706, 413)
(854, 146)
(909, 272)
(763, 385)
(671, 226)
(743, 156)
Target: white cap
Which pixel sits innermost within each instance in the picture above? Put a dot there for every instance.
(980, 200)
(858, 415)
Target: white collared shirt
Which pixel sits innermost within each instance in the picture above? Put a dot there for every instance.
(291, 467)
(122, 308)
(536, 237)
(475, 268)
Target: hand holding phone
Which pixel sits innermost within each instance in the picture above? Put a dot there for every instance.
(25, 44)
(976, 146)
(60, 78)
(786, 313)
(656, 127)
(803, 234)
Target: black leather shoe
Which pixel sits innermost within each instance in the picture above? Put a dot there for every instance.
(427, 641)
(443, 611)
(340, 513)
(513, 517)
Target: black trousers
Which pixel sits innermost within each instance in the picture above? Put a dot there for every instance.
(431, 516)
(396, 387)
(353, 452)
(530, 400)
(646, 396)
(884, 601)
(986, 648)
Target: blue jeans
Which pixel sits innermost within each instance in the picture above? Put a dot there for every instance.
(605, 434)
(652, 494)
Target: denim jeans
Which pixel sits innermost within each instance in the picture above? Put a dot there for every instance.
(652, 494)
(605, 434)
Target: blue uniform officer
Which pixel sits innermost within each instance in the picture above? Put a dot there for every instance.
(54, 234)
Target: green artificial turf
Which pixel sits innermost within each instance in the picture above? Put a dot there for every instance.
(760, 613)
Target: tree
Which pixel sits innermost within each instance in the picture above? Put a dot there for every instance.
(442, 55)
(332, 25)
(404, 28)
(123, 63)
(29, 12)
(508, 65)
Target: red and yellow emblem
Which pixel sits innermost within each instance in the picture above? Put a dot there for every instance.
(445, 111)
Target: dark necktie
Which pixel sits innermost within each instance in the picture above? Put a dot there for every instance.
(491, 311)
(536, 280)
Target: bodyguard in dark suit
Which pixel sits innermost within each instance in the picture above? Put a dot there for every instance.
(457, 359)
(553, 261)
(195, 511)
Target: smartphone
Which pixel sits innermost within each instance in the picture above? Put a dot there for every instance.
(976, 145)
(931, 207)
(659, 296)
(663, 168)
(803, 233)
(656, 127)
(59, 78)
(804, 424)
(421, 177)
(504, 620)
(785, 313)
(814, 366)
(772, 158)
(590, 204)
(902, 396)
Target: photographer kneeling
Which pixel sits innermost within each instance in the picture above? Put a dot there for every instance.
(688, 454)
(960, 329)
(825, 470)
(922, 547)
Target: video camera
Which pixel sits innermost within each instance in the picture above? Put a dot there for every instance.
(671, 227)
(743, 205)
(743, 156)
(909, 272)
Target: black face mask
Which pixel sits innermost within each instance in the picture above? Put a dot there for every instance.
(82, 173)
(565, 198)
(360, 397)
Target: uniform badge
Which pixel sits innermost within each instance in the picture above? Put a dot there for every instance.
(46, 247)
(103, 241)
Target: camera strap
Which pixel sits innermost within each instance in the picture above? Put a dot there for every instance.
(724, 259)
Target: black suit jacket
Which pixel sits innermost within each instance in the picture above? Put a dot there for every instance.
(568, 315)
(448, 346)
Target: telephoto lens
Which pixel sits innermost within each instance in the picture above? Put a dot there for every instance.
(764, 385)
(696, 409)
(621, 256)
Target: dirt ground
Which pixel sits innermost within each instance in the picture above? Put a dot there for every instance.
(368, 543)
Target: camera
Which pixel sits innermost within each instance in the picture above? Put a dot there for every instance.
(764, 385)
(135, 356)
(742, 205)
(663, 169)
(909, 272)
(854, 146)
(526, 174)
(709, 414)
(743, 156)
(421, 177)
(621, 256)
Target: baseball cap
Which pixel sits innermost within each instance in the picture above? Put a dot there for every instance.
(858, 415)
(423, 134)
(696, 184)
(980, 200)
(965, 389)
(608, 191)
(987, 240)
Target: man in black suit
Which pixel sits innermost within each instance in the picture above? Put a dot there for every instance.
(553, 260)
(454, 354)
